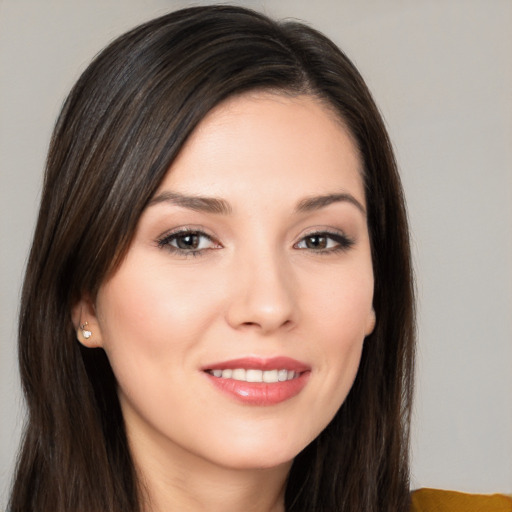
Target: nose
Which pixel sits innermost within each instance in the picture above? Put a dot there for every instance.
(263, 295)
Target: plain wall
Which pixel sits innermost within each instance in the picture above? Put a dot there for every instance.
(441, 73)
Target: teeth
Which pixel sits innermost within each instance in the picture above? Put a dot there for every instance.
(254, 376)
(238, 374)
(283, 375)
(270, 376)
(251, 375)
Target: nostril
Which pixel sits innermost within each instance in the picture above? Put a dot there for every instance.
(260, 306)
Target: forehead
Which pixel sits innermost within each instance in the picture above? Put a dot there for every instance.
(268, 141)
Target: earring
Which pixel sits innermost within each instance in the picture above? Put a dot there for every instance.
(85, 333)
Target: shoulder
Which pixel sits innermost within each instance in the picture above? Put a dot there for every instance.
(435, 500)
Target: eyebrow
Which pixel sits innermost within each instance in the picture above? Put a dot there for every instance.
(317, 202)
(196, 203)
(222, 207)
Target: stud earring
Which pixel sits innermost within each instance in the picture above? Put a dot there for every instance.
(85, 333)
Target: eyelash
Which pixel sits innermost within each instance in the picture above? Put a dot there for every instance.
(343, 242)
(165, 242)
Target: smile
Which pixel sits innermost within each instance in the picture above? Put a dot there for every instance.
(258, 381)
(254, 375)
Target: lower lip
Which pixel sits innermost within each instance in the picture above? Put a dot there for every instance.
(260, 393)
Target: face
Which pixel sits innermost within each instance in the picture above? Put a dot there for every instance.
(235, 323)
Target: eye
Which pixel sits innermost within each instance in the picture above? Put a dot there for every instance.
(188, 242)
(325, 242)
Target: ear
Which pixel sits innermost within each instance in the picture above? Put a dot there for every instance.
(83, 315)
(370, 322)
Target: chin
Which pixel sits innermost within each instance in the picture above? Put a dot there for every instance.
(249, 454)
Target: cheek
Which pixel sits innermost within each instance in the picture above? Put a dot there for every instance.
(143, 309)
(342, 305)
(338, 311)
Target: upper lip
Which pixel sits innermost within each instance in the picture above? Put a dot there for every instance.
(260, 363)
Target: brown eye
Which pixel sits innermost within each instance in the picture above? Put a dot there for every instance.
(325, 242)
(316, 242)
(187, 241)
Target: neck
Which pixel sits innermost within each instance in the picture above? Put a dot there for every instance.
(173, 479)
(215, 491)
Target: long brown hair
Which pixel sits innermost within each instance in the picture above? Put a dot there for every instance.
(120, 129)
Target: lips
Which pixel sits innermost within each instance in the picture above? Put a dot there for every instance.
(254, 375)
(257, 381)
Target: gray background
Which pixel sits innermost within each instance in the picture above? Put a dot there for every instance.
(441, 72)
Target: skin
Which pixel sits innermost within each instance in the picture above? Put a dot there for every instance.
(258, 286)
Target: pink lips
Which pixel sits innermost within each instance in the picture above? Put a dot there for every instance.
(260, 393)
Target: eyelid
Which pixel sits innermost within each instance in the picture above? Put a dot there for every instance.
(163, 241)
(344, 241)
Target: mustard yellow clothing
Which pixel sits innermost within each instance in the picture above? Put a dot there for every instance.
(435, 500)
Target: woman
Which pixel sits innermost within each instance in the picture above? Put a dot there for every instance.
(219, 294)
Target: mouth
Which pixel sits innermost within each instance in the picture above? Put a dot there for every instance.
(256, 381)
(254, 375)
